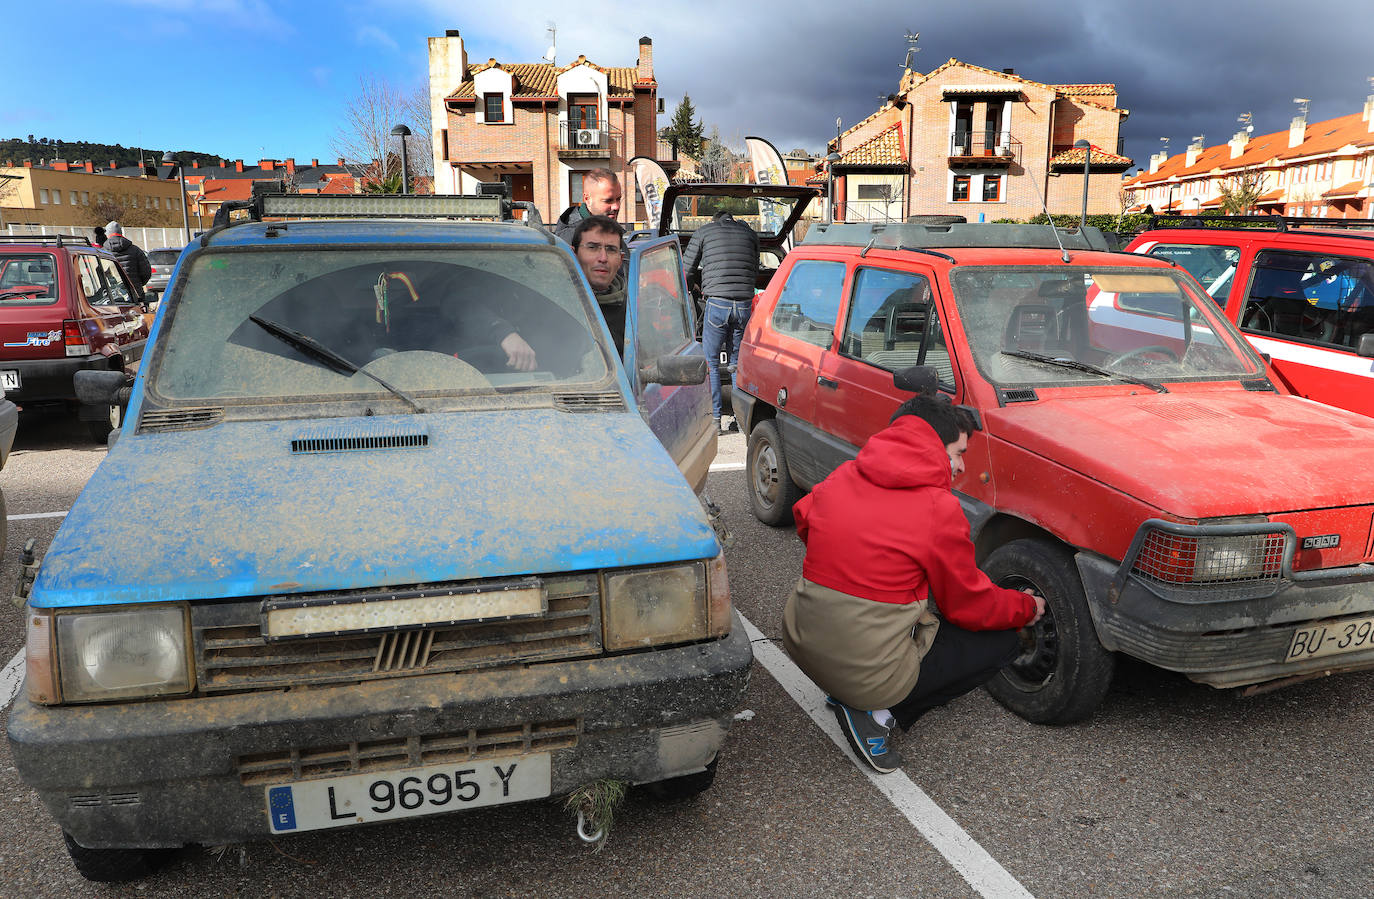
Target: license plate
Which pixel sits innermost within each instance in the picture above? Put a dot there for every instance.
(363, 798)
(1331, 639)
(9, 380)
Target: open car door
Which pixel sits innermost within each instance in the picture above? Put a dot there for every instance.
(659, 323)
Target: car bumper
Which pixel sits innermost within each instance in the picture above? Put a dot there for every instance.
(192, 771)
(1226, 643)
(45, 380)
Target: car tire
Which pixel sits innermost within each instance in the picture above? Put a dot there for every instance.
(114, 865)
(684, 787)
(771, 489)
(1064, 671)
(100, 428)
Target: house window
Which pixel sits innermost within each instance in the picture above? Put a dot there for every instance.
(582, 111)
(85, 198)
(73, 198)
(57, 197)
(961, 186)
(873, 191)
(992, 188)
(495, 108)
(574, 188)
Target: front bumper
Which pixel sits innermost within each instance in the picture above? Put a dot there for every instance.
(173, 772)
(1226, 642)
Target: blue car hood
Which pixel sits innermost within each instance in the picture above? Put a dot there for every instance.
(231, 511)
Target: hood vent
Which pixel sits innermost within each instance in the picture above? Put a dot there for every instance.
(184, 419)
(360, 439)
(1185, 411)
(1019, 395)
(589, 402)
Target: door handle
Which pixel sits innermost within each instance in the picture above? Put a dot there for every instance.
(823, 381)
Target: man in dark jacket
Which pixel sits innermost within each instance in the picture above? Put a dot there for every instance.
(726, 253)
(885, 537)
(599, 243)
(133, 260)
(601, 195)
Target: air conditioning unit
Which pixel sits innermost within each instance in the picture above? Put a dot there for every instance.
(587, 137)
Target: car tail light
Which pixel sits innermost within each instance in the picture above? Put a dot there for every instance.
(74, 340)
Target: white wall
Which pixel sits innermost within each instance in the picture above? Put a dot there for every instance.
(493, 81)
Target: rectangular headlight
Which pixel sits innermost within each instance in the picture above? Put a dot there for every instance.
(126, 654)
(649, 606)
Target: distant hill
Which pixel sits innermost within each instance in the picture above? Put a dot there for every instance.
(17, 149)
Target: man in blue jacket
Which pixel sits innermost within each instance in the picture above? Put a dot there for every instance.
(726, 253)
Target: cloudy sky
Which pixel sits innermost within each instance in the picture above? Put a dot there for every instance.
(252, 78)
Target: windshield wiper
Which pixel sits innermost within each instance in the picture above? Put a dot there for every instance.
(1085, 366)
(321, 353)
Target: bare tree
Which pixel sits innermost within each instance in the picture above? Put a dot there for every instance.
(364, 140)
(1241, 191)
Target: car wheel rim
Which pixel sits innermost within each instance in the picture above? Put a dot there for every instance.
(766, 474)
(1035, 667)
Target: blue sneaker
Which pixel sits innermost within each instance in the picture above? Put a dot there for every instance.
(870, 740)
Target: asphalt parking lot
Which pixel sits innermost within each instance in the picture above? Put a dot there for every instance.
(1172, 789)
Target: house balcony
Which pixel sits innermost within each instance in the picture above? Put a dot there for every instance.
(589, 143)
(983, 148)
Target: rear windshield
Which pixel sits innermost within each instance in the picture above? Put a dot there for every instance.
(429, 322)
(765, 215)
(28, 279)
(163, 257)
(1138, 323)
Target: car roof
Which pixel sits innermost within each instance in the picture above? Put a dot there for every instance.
(1301, 237)
(375, 231)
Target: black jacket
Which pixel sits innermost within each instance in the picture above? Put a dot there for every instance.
(726, 251)
(567, 222)
(133, 260)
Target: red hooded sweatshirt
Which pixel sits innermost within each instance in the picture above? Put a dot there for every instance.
(887, 527)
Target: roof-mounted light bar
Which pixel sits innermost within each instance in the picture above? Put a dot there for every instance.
(442, 206)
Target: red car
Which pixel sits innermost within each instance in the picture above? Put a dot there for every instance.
(1304, 298)
(65, 306)
(1136, 464)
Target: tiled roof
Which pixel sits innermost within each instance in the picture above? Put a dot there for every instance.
(1074, 156)
(540, 79)
(818, 178)
(1085, 90)
(1332, 134)
(1063, 90)
(1213, 203)
(882, 149)
(1345, 191)
(682, 176)
(1273, 196)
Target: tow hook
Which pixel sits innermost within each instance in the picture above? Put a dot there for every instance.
(28, 572)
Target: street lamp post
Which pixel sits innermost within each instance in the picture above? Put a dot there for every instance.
(403, 132)
(169, 159)
(1087, 149)
(1168, 207)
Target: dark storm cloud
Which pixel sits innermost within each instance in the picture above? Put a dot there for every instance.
(1181, 68)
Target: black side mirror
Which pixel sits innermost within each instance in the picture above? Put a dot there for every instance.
(917, 379)
(674, 371)
(1366, 345)
(102, 388)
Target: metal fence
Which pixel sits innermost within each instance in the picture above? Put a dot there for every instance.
(147, 238)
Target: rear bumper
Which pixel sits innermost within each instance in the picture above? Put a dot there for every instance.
(175, 772)
(45, 380)
(1226, 643)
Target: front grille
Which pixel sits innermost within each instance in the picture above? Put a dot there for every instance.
(233, 656)
(97, 800)
(589, 402)
(304, 763)
(187, 419)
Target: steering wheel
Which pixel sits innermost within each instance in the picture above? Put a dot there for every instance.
(1141, 351)
(426, 370)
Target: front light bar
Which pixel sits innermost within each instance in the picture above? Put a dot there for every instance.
(1209, 562)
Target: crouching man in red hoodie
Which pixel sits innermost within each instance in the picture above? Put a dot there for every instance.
(885, 537)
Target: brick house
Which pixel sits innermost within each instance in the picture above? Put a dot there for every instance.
(1321, 170)
(965, 140)
(538, 127)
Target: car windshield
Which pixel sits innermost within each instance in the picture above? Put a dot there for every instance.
(27, 279)
(163, 257)
(766, 215)
(256, 326)
(1074, 325)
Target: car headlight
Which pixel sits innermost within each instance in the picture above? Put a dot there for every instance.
(107, 654)
(666, 604)
(1201, 557)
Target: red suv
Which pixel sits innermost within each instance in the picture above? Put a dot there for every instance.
(1136, 464)
(65, 306)
(1304, 298)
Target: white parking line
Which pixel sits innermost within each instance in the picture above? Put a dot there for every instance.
(972, 861)
(727, 466)
(37, 515)
(10, 679)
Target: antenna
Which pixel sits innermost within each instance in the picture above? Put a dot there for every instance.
(1303, 104)
(1039, 195)
(1248, 120)
(912, 49)
(1165, 141)
(1199, 138)
(552, 53)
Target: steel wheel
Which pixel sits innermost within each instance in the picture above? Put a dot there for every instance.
(771, 489)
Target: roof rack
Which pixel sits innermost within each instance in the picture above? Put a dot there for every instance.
(55, 240)
(1279, 223)
(912, 236)
(450, 207)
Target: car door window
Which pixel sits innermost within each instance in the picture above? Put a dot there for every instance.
(663, 325)
(1311, 296)
(893, 323)
(1213, 266)
(92, 286)
(116, 291)
(810, 301)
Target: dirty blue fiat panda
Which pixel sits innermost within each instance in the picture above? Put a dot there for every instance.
(393, 528)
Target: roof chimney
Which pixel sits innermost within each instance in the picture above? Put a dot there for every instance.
(112, 165)
(1297, 130)
(341, 162)
(238, 165)
(1194, 151)
(88, 166)
(60, 165)
(28, 163)
(195, 163)
(267, 165)
(1238, 142)
(1157, 160)
(290, 165)
(646, 60)
(1368, 114)
(314, 163)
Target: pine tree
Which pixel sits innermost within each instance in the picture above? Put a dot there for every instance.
(684, 131)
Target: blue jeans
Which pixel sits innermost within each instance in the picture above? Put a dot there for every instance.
(722, 316)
